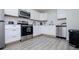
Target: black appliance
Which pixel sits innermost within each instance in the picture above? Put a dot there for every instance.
(10, 22)
(74, 38)
(24, 14)
(23, 23)
(26, 30)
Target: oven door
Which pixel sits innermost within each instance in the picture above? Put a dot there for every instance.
(29, 30)
(26, 30)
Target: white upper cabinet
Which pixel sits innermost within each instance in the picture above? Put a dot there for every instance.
(43, 16)
(61, 13)
(34, 15)
(12, 12)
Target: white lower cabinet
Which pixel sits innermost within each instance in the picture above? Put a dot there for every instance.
(64, 30)
(12, 33)
(49, 30)
(36, 30)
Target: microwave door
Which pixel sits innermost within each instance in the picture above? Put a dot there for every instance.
(24, 14)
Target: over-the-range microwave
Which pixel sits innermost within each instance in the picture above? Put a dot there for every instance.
(24, 14)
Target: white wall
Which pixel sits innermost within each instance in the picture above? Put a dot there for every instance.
(72, 19)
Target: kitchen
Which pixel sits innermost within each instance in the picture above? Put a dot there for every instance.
(34, 19)
(23, 25)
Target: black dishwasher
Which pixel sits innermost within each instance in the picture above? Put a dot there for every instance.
(74, 38)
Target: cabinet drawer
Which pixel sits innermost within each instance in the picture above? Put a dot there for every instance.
(12, 26)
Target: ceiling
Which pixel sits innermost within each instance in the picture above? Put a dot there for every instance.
(42, 10)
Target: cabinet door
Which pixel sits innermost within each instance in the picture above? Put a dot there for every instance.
(64, 31)
(36, 30)
(45, 30)
(8, 35)
(12, 33)
(61, 14)
(34, 15)
(43, 16)
(12, 12)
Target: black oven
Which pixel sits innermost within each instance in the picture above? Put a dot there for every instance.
(26, 30)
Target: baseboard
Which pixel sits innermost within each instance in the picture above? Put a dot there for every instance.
(52, 36)
(61, 37)
(45, 35)
(13, 42)
(37, 35)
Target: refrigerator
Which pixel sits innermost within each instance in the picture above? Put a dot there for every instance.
(2, 29)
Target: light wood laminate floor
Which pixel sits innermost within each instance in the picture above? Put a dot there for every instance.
(41, 43)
